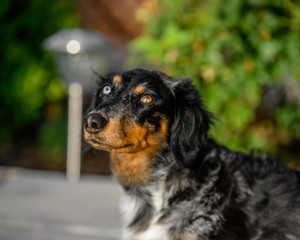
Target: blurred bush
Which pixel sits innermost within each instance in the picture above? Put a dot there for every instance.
(244, 59)
(32, 97)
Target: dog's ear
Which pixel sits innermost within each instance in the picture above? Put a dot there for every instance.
(190, 126)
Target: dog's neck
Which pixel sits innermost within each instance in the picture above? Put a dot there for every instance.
(141, 168)
(132, 168)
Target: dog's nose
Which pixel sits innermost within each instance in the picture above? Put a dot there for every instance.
(94, 123)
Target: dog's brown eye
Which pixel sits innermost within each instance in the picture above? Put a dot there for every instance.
(146, 99)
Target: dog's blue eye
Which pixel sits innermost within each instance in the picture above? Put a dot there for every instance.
(106, 90)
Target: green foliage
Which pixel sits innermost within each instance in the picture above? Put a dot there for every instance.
(232, 49)
(29, 81)
(51, 145)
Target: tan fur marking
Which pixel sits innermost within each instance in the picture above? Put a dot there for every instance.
(184, 238)
(117, 79)
(132, 168)
(132, 148)
(139, 89)
(135, 167)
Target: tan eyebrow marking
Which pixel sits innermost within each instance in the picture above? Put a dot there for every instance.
(139, 89)
(117, 79)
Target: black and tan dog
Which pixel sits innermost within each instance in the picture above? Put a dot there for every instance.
(179, 184)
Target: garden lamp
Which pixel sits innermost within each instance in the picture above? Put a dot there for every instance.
(78, 54)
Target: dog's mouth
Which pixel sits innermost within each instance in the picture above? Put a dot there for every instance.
(115, 139)
(106, 134)
(122, 135)
(104, 143)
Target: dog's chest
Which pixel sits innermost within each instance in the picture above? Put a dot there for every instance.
(148, 226)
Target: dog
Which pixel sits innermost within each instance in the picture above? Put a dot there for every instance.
(177, 182)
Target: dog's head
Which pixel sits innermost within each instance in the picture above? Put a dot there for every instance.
(142, 110)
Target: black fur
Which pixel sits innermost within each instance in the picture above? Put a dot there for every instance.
(192, 121)
(197, 188)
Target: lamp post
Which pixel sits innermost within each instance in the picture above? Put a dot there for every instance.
(78, 53)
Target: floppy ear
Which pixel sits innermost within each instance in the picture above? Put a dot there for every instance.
(190, 125)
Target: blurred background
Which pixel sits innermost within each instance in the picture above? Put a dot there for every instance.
(242, 55)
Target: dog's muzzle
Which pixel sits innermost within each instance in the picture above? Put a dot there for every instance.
(94, 123)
